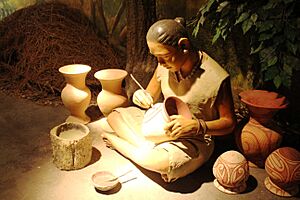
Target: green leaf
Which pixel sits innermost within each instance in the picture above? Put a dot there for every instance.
(278, 40)
(224, 33)
(277, 81)
(287, 69)
(246, 25)
(206, 8)
(253, 51)
(223, 23)
(263, 66)
(216, 36)
(240, 8)
(242, 18)
(293, 61)
(264, 26)
(196, 28)
(290, 33)
(201, 20)
(286, 79)
(254, 17)
(292, 47)
(222, 6)
(271, 73)
(288, 1)
(265, 36)
(272, 61)
(270, 4)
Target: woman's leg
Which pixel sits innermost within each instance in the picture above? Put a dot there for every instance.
(124, 130)
(151, 158)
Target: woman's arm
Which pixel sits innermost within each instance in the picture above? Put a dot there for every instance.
(227, 120)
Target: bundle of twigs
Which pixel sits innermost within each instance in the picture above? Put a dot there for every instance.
(37, 40)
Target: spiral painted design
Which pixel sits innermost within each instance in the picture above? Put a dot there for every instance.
(229, 173)
(283, 166)
(257, 142)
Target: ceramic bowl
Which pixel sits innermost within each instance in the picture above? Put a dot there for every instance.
(104, 180)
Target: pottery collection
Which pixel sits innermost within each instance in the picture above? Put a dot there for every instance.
(283, 169)
(76, 96)
(112, 94)
(260, 135)
(258, 140)
(231, 171)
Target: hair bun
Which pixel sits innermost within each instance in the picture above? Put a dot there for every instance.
(180, 20)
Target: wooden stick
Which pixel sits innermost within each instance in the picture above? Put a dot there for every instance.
(137, 82)
(140, 86)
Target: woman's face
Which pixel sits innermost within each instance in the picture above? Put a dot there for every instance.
(168, 56)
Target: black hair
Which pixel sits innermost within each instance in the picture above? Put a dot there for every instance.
(167, 31)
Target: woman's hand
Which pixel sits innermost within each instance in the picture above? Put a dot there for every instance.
(180, 126)
(142, 98)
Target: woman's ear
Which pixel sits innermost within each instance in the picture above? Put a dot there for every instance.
(184, 44)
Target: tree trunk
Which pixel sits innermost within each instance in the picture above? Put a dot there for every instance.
(140, 16)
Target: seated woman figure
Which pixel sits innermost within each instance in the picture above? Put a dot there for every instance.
(192, 76)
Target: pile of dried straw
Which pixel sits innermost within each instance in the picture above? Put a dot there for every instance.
(37, 40)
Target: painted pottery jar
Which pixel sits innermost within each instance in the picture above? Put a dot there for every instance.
(283, 169)
(76, 96)
(112, 94)
(71, 145)
(260, 135)
(158, 116)
(231, 171)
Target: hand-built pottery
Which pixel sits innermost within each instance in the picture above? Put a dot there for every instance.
(71, 145)
(231, 171)
(283, 168)
(104, 180)
(159, 115)
(112, 94)
(260, 136)
(76, 96)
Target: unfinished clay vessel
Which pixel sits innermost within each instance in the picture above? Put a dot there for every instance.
(76, 96)
(260, 136)
(159, 115)
(112, 94)
(283, 168)
(71, 145)
(231, 171)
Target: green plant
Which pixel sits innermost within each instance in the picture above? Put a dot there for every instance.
(272, 27)
(5, 9)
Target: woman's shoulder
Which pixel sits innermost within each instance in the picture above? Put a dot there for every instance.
(212, 66)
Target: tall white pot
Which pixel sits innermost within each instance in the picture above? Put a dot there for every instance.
(112, 95)
(76, 96)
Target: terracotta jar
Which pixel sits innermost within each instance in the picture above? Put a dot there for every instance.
(231, 171)
(156, 118)
(76, 96)
(112, 94)
(260, 135)
(283, 168)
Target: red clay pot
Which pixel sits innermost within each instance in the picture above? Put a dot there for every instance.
(283, 168)
(260, 136)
